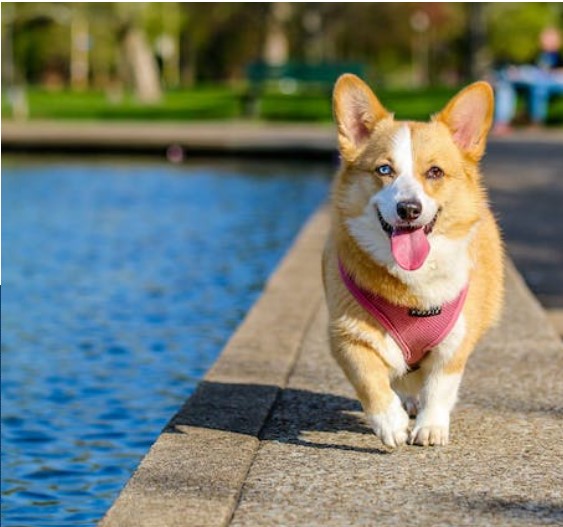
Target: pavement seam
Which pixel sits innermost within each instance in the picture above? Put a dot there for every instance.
(279, 392)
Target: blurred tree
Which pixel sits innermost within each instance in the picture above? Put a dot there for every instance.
(383, 37)
(479, 61)
(139, 59)
(79, 47)
(276, 45)
(219, 39)
(58, 43)
(447, 25)
(513, 28)
(163, 24)
(8, 66)
(104, 57)
(40, 35)
(153, 44)
(375, 33)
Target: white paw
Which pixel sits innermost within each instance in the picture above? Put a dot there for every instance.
(391, 426)
(431, 429)
(429, 436)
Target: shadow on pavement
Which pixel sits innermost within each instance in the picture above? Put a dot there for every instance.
(243, 408)
(533, 511)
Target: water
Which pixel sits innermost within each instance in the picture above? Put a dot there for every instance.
(122, 282)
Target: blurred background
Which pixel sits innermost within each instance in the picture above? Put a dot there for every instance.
(200, 61)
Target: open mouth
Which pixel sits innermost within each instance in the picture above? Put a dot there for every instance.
(389, 229)
(409, 243)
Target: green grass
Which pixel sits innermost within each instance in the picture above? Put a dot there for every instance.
(206, 103)
(216, 102)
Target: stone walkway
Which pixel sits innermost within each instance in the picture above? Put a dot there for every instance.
(274, 435)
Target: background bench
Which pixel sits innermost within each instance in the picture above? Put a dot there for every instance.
(291, 78)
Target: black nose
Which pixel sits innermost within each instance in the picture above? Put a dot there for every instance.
(409, 210)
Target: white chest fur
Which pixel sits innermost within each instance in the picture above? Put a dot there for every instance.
(442, 276)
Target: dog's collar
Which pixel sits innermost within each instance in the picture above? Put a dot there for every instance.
(415, 331)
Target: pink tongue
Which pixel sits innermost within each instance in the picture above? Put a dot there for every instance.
(410, 248)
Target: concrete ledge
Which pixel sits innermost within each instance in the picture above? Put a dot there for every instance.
(226, 138)
(194, 472)
(231, 138)
(274, 434)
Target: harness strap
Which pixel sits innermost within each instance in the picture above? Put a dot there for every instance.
(415, 331)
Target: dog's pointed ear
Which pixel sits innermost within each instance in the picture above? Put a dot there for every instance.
(356, 110)
(469, 116)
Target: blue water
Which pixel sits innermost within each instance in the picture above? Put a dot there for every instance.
(122, 282)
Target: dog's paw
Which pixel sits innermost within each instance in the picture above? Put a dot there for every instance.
(391, 426)
(429, 435)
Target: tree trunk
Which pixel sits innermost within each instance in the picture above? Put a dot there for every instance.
(142, 65)
(276, 45)
(188, 60)
(479, 60)
(79, 44)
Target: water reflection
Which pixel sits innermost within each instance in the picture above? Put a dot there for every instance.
(121, 284)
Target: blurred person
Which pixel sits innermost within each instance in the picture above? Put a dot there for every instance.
(540, 81)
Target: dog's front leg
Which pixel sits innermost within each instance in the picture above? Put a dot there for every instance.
(442, 374)
(437, 399)
(370, 377)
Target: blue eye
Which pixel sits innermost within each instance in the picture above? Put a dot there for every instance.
(384, 170)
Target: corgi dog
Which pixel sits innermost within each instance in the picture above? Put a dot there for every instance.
(413, 266)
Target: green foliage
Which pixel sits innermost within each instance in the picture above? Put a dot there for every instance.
(513, 28)
(194, 104)
(213, 43)
(405, 104)
(214, 102)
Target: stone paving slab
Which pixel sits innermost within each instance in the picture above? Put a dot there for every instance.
(274, 435)
(319, 464)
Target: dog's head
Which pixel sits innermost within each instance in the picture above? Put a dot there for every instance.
(404, 183)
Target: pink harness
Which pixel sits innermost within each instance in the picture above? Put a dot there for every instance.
(416, 332)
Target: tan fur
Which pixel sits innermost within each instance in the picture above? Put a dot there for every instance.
(454, 142)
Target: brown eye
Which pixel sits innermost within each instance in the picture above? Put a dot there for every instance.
(435, 173)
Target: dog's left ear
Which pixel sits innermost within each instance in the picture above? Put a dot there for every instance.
(356, 110)
(469, 116)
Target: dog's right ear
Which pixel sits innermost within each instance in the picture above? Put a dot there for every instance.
(356, 110)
